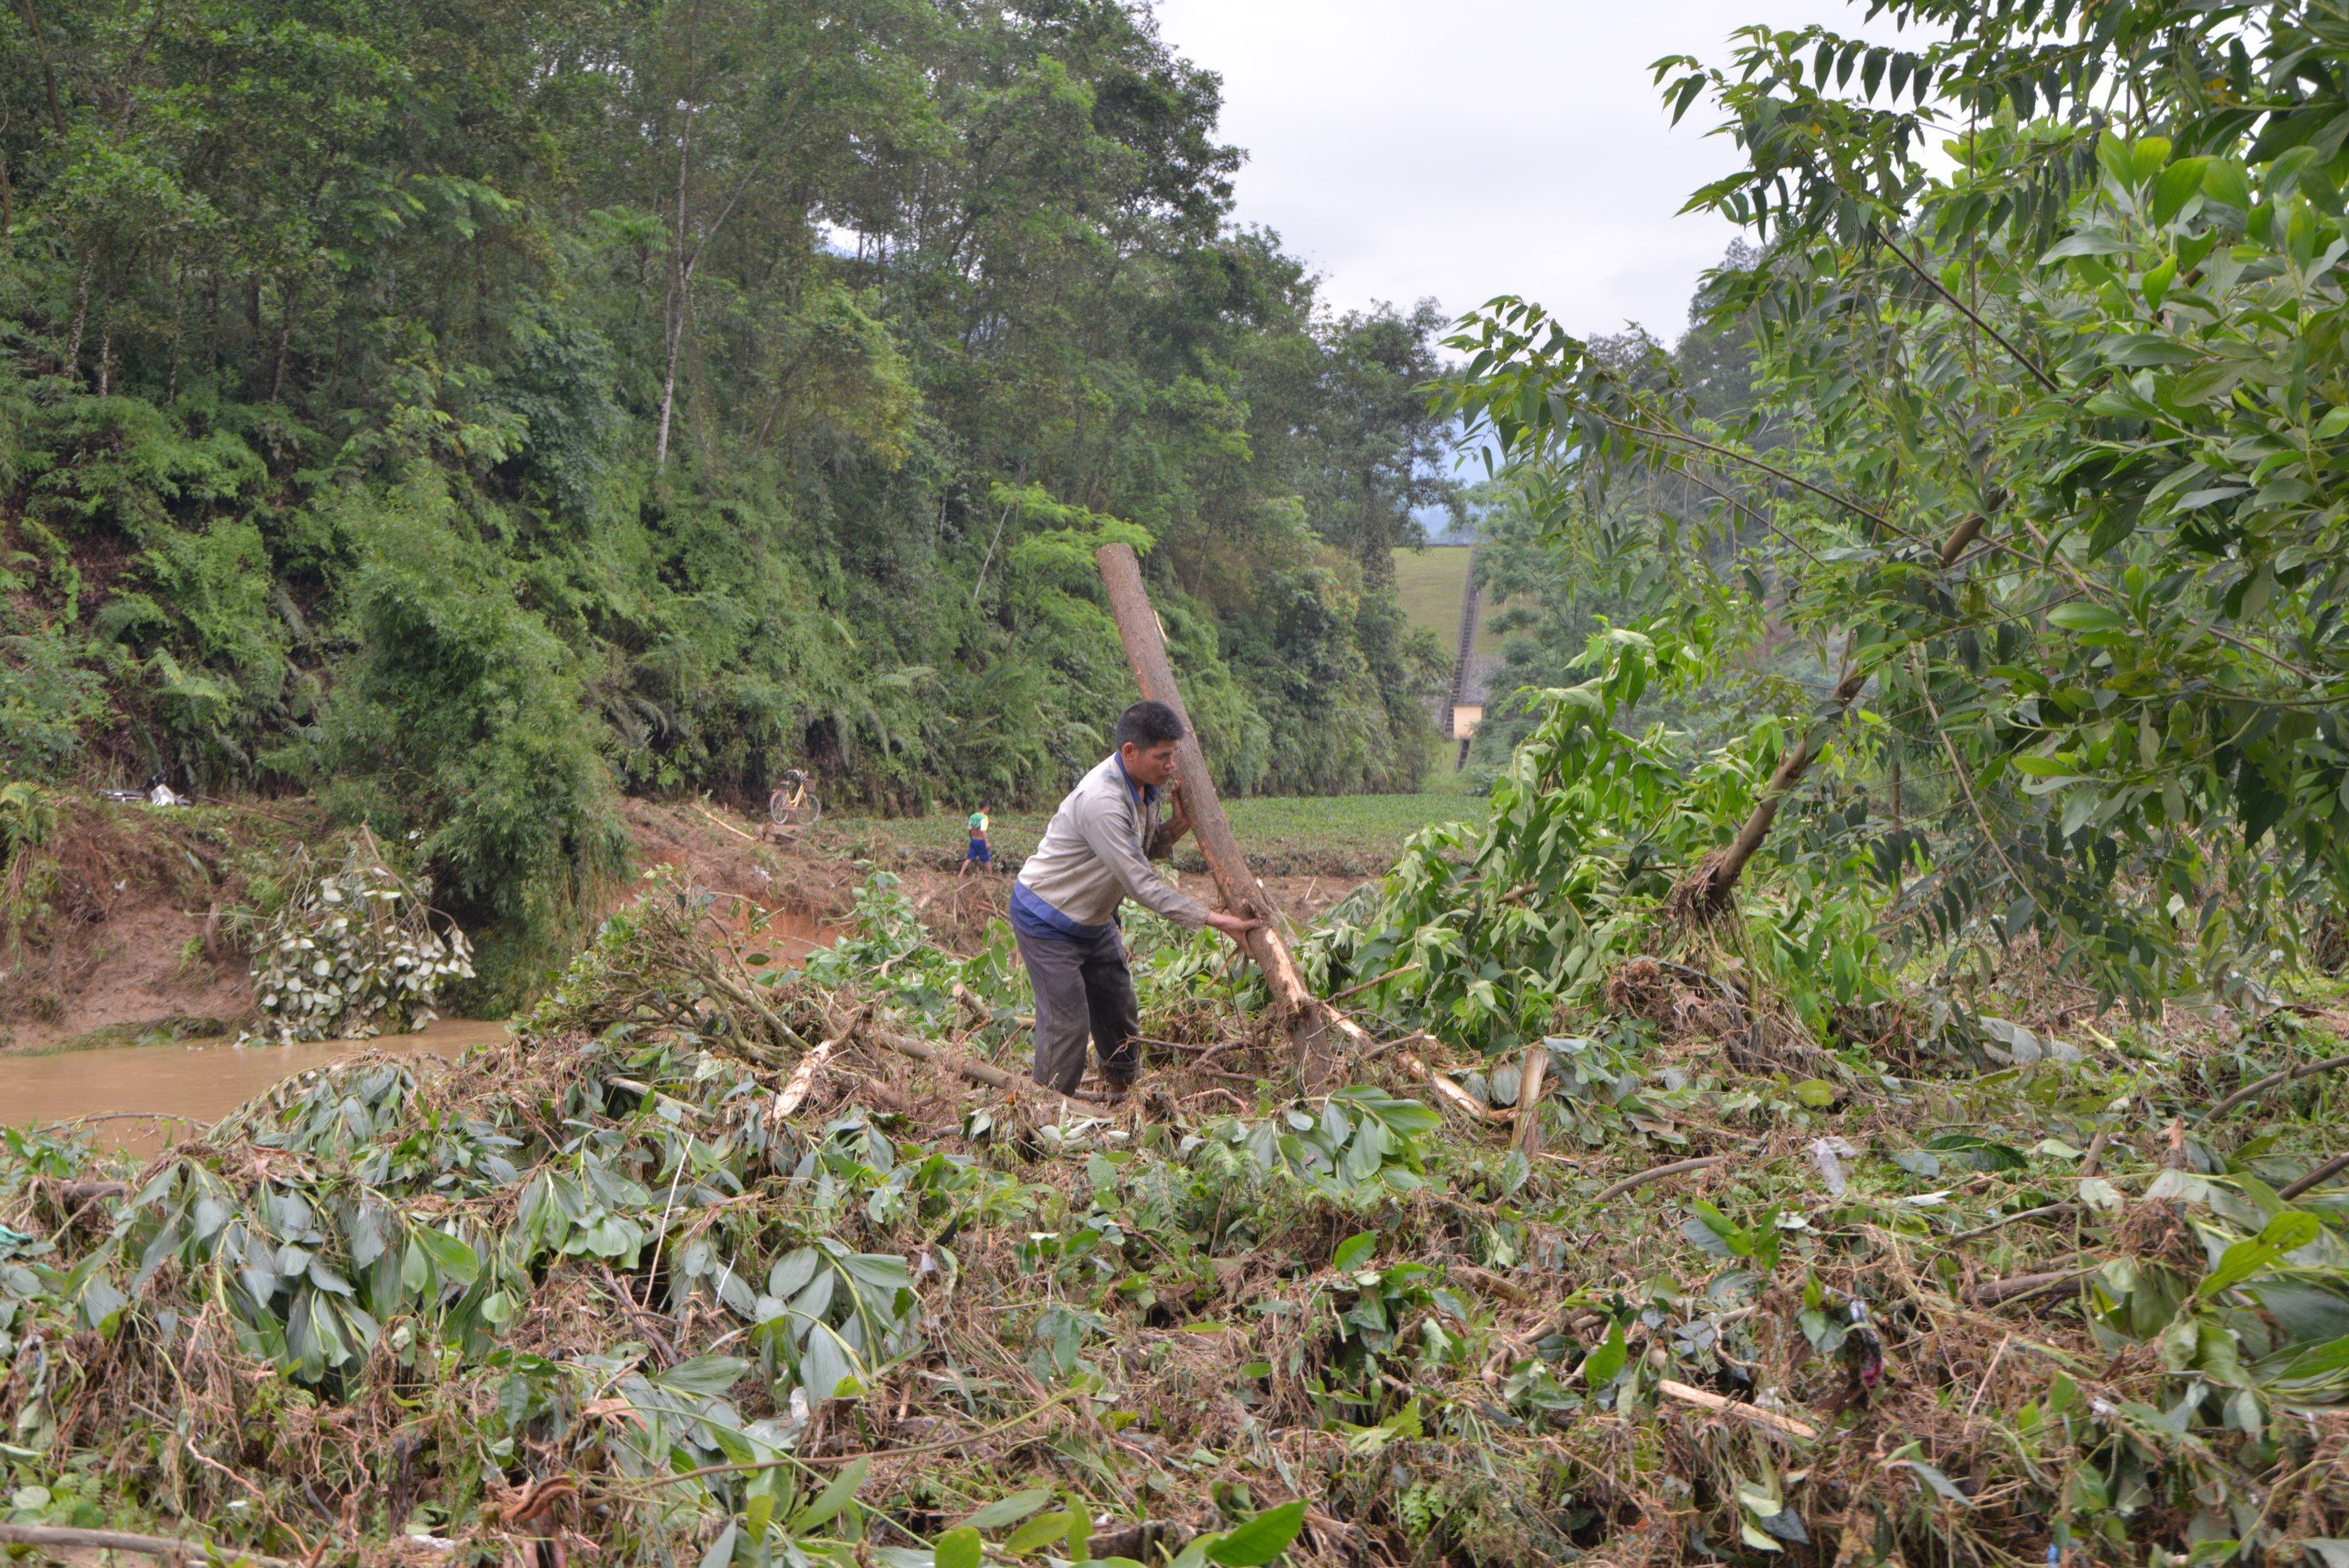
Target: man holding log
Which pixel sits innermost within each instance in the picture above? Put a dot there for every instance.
(1095, 854)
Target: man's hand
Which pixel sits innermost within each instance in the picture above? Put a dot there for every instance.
(1179, 811)
(1167, 834)
(1232, 925)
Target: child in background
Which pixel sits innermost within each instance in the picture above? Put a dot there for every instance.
(980, 853)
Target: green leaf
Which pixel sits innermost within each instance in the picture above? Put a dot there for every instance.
(2079, 617)
(1352, 1251)
(2224, 181)
(832, 1499)
(2288, 1232)
(1260, 1541)
(827, 1368)
(1604, 1364)
(1039, 1532)
(959, 1548)
(1937, 1481)
(2173, 185)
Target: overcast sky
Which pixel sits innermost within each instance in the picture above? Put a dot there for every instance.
(1464, 148)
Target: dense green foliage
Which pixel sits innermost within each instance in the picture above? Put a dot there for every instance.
(2047, 450)
(479, 407)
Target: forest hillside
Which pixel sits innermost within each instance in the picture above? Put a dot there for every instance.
(468, 411)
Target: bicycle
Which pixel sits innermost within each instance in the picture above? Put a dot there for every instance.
(792, 802)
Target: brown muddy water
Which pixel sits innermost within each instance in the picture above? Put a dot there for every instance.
(138, 1097)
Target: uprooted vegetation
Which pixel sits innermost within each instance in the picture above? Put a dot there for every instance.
(637, 1283)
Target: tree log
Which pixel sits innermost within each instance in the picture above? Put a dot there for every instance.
(171, 1548)
(1529, 1098)
(1768, 1420)
(976, 1072)
(1316, 1029)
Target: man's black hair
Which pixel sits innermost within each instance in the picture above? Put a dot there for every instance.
(1148, 724)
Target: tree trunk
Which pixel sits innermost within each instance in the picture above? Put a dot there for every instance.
(1313, 1026)
(681, 275)
(72, 366)
(284, 341)
(1707, 892)
(47, 72)
(678, 287)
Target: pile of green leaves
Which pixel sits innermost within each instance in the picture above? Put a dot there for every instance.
(864, 1333)
(352, 950)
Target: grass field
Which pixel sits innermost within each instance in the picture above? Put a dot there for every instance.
(1346, 835)
(1430, 584)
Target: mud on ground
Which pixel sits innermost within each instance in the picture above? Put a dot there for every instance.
(122, 925)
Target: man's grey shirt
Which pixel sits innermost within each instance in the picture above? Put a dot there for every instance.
(1096, 853)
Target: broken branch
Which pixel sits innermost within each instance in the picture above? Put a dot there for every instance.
(1768, 1420)
(1631, 1183)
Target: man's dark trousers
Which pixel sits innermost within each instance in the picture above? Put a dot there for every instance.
(1083, 988)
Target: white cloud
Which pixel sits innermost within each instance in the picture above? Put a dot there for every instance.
(1473, 147)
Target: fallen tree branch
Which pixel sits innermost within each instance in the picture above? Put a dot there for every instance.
(1631, 1184)
(954, 1061)
(2043, 1211)
(1519, 1347)
(2317, 1177)
(803, 1077)
(1708, 889)
(751, 1466)
(1768, 1420)
(2274, 1081)
(169, 1548)
(728, 826)
(1457, 1097)
(81, 1193)
(2023, 1288)
(1357, 989)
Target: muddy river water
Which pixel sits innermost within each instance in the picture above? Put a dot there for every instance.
(139, 1098)
(134, 1098)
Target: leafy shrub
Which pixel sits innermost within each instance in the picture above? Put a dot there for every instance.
(47, 698)
(27, 818)
(1591, 826)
